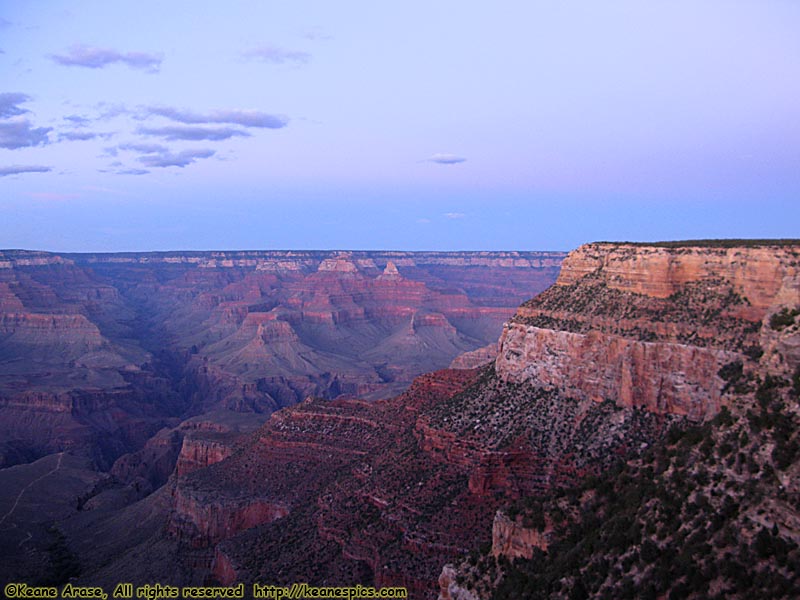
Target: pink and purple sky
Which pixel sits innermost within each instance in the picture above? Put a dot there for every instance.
(415, 125)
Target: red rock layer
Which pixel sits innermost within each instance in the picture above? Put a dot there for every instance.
(395, 486)
(201, 452)
(758, 273)
(660, 377)
(649, 327)
(203, 522)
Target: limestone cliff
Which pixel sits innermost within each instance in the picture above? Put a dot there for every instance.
(759, 272)
(650, 326)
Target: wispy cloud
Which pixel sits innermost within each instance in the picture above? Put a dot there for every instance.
(245, 118)
(119, 170)
(155, 156)
(80, 136)
(277, 56)
(454, 215)
(181, 159)
(110, 111)
(80, 55)
(19, 133)
(132, 172)
(144, 148)
(17, 169)
(446, 159)
(9, 104)
(189, 133)
(78, 120)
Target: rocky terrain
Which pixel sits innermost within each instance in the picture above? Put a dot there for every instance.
(636, 434)
(98, 352)
(707, 332)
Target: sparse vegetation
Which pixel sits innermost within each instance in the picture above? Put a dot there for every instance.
(703, 314)
(694, 516)
(783, 318)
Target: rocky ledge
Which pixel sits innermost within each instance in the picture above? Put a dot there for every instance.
(651, 326)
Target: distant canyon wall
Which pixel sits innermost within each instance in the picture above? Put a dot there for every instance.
(100, 351)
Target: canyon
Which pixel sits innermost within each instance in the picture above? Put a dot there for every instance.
(340, 480)
(98, 352)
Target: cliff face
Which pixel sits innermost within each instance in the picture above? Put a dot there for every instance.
(202, 522)
(708, 510)
(679, 331)
(513, 539)
(353, 481)
(660, 377)
(649, 327)
(761, 274)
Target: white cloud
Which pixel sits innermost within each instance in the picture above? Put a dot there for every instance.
(446, 159)
(81, 55)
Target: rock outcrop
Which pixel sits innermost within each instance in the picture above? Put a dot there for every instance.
(201, 521)
(513, 539)
(758, 272)
(510, 540)
(661, 377)
(450, 589)
(649, 326)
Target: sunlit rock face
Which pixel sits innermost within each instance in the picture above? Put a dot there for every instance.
(649, 326)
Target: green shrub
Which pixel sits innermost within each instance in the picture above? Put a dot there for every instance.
(783, 318)
(731, 372)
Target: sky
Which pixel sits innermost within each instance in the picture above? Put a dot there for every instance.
(524, 125)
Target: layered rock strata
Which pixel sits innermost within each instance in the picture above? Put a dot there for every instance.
(100, 351)
(649, 327)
